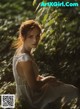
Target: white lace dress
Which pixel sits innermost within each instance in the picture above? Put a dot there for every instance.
(42, 98)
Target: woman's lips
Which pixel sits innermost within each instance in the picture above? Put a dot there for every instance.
(34, 44)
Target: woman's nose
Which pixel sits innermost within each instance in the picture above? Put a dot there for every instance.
(34, 40)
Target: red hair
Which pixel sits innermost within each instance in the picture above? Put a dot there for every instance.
(23, 30)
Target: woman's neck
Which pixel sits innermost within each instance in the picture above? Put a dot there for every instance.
(26, 50)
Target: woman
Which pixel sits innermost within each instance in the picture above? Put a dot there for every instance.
(32, 88)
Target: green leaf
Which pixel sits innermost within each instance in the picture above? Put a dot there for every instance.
(45, 18)
(34, 2)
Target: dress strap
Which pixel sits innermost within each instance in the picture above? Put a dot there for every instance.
(21, 57)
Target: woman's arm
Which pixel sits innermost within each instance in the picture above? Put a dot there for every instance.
(51, 80)
(46, 79)
(29, 75)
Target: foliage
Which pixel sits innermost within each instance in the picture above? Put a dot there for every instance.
(59, 50)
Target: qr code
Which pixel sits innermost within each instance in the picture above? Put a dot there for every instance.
(8, 101)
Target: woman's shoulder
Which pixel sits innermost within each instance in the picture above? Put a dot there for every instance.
(22, 57)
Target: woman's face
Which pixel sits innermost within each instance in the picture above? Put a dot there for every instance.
(32, 38)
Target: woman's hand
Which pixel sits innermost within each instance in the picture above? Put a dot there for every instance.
(51, 80)
(39, 77)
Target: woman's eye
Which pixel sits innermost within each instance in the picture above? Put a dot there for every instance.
(31, 36)
(38, 36)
